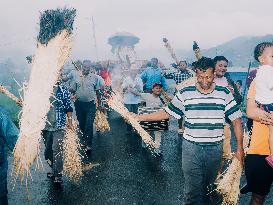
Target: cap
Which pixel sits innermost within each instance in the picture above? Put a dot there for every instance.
(157, 84)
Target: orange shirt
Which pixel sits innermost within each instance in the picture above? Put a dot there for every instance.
(260, 133)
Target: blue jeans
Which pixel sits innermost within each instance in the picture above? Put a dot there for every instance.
(200, 165)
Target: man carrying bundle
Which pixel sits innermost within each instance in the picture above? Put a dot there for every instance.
(8, 137)
(85, 104)
(58, 117)
(205, 106)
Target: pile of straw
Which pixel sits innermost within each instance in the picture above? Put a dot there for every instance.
(101, 122)
(50, 56)
(115, 102)
(72, 167)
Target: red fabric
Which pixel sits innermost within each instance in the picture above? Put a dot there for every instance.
(106, 77)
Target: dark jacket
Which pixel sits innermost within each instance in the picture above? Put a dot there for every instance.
(8, 137)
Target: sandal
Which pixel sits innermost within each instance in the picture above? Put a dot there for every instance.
(50, 175)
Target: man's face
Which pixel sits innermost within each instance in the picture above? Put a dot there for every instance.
(267, 57)
(85, 70)
(157, 90)
(182, 65)
(154, 62)
(220, 68)
(65, 75)
(205, 78)
(238, 85)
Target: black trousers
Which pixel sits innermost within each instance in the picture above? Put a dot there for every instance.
(86, 112)
(4, 200)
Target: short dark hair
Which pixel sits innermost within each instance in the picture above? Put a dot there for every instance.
(240, 82)
(220, 58)
(259, 49)
(204, 64)
(183, 61)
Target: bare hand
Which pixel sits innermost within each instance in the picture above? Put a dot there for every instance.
(70, 126)
(73, 98)
(19, 103)
(266, 118)
(230, 89)
(240, 155)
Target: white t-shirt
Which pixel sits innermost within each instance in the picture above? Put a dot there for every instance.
(264, 85)
(151, 100)
(221, 81)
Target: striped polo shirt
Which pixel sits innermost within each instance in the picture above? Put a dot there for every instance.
(204, 113)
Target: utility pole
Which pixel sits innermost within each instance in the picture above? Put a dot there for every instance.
(95, 40)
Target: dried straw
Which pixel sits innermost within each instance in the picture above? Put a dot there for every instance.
(115, 102)
(101, 122)
(6, 92)
(228, 184)
(46, 65)
(72, 147)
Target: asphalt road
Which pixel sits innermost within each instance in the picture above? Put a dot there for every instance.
(126, 174)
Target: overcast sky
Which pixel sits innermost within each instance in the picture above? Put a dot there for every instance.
(210, 22)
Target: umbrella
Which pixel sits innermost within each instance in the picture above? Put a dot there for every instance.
(123, 39)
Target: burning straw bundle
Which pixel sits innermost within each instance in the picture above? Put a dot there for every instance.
(115, 102)
(228, 184)
(53, 49)
(101, 122)
(72, 167)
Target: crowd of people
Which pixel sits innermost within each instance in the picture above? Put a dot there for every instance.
(207, 107)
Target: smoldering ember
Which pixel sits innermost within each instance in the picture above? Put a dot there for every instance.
(136, 102)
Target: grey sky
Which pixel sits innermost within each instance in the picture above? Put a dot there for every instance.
(210, 22)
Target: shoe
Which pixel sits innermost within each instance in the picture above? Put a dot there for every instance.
(50, 175)
(58, 182)
(269, 160)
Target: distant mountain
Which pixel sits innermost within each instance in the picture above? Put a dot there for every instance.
(238, 51)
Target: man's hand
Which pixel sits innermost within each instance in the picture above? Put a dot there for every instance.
(230, 89)
(240, 155)
(19, 103)
(266, 118)
(70, 125)
(73, 98)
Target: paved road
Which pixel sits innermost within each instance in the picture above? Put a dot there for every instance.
(126, 174)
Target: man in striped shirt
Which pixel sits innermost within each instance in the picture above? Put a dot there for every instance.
(205, 106)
